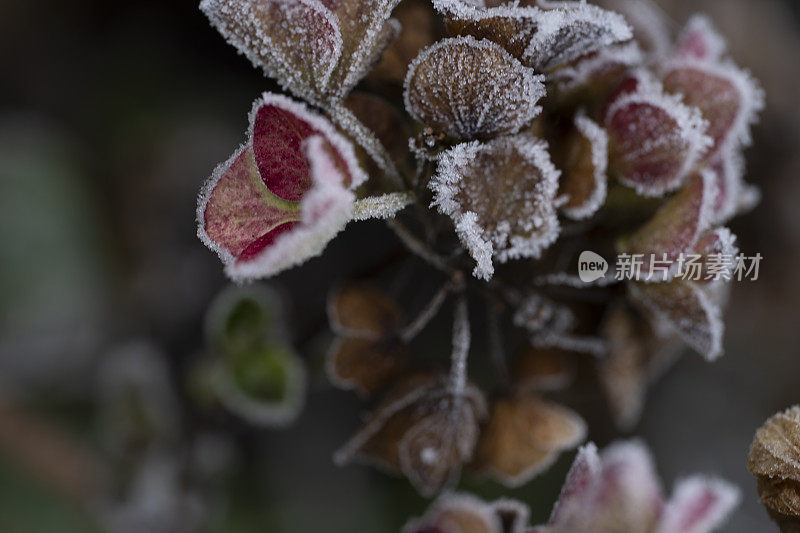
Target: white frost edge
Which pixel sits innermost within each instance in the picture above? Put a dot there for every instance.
(691, 124)
(728, 497)
(752, 95)
(370, 47)
(266, 297)
(532, 88)
(325, 210)
(457, 502)
(477, 10)
(563, 14)
(712, 312)
(598, 137)
(701, 24)
(383, 206)
(277, 67)
(579, 74)
(445, 185)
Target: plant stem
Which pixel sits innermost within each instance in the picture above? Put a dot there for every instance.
(419, 248)
(496, 350)
(461, 342)
(426, 315)
(345, 118)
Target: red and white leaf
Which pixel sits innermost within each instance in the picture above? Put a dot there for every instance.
(283, 195)
(698, 505)
(700, 40)
(655, 139)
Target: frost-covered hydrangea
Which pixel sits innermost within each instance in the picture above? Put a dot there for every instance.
(498, 139)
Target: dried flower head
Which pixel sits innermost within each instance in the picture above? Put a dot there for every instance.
(775, 460)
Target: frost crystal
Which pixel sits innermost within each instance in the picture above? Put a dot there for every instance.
(584, 169)
(469, 89)
(384, 206)
(592, 68)
(501, 197)
(282, 196)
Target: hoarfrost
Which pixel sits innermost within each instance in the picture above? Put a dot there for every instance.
(587, 187)
(581, 73)
(700, 40)
(469, 89)
(501, 196)
(383, 206)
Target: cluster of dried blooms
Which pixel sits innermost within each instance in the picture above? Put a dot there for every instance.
(499, 139)
(775, 461)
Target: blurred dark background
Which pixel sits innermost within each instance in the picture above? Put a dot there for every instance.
(111, 117)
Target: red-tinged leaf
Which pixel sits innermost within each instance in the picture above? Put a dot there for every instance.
(283, 195)
(266, 32)
(501, 197)
(655, 140)
(578, 486)
(699, 505)
(700, 40)
(728, 98)
(675, 228)
(583, 164)
(471, 89)
(685, 308)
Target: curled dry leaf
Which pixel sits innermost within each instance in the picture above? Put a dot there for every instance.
(583, 163)
(775, 460)
(501, 197)
(471, 89)
(314, 49)
(524, 436)
(368, 351)
(655, 139)
(421, 430)
(465, 513)
(283, 195)
(619, 490)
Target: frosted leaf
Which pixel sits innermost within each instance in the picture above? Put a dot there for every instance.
(599, 68)
(583, 164)
(728, 97)
(676, 226)
(457, 513)
(524, 436)
(685, 308)
(650, 24)
(774, 451)
(420, 28)
(728, 171)
(569, 30)
(700, 40)
(536, 314)
(367, 353)
(383, 206)
(388, 123)
(655, 139)
(501, 197)
(421, 430)
(283, 195)
(298, 42)
(471, 89)
(315, 49)
(698, 505)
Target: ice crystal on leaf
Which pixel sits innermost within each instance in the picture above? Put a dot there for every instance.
(595, 72)
(283, 195)
(655, 139)
(316, 49)
(423, 430)
(619, 490)
(584, 165)
(501, 197)
(542, 35)
(471, 89)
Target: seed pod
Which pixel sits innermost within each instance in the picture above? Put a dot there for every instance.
(775, 461)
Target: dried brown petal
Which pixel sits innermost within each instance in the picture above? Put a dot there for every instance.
(501, 197)
(471, 89)
(362, 311)
(421, 430)
(583, 165)
(524, 436)
(363, 364)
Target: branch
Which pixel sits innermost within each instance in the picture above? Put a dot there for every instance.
(461, 342)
